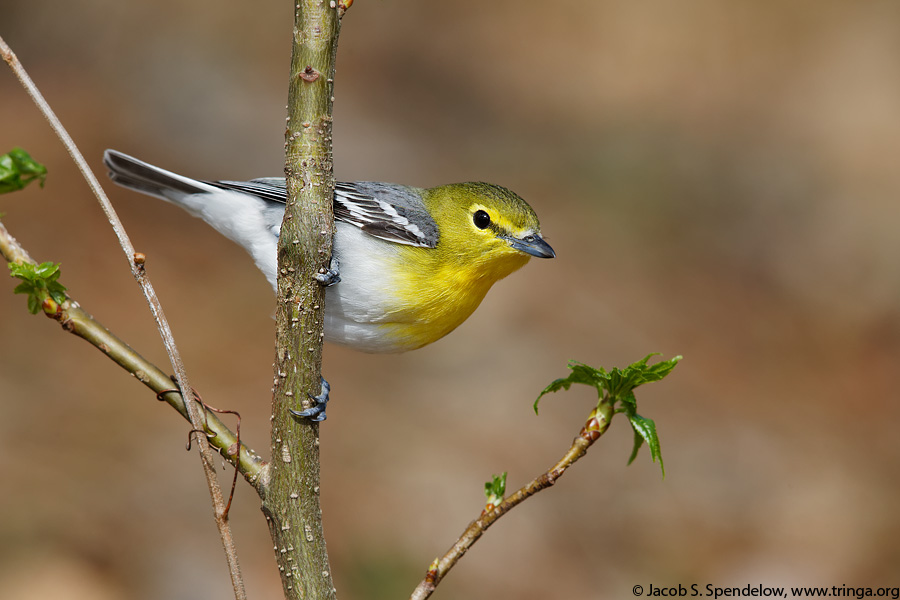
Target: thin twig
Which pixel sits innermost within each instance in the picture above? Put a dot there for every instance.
(77, 321)
(234, 449)
(595, 426)
(165, 331)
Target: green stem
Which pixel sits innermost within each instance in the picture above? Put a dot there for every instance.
(596, 425)
(76, 320)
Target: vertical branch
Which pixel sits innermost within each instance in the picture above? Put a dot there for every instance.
(291, 494)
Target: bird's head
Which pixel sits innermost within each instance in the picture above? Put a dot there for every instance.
(487, 224)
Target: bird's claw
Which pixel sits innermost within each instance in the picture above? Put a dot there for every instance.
(316, 412)
(331, 275)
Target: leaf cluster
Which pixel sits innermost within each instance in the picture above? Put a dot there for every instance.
(18, 169)
(39, 282)
(616, 388)
(495, 489)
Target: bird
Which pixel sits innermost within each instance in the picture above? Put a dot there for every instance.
(409, 264)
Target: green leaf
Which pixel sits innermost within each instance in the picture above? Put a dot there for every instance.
(26, 287)
(23, 271)
(57, 291)
(18, 169)
(621, 382)
(638, 442)
(47, 270)
(616, 387)
(645, 431)
(617, 383)
(34, 305)
(581, 373)
(495, 489)
(38, 282)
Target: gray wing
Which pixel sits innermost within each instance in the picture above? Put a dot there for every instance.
(391, 212)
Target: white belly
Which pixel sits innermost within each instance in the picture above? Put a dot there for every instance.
(358, 310)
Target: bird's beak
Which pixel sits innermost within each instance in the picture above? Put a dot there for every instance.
(532, 244)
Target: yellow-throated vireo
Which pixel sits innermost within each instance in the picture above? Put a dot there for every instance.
(414, 263)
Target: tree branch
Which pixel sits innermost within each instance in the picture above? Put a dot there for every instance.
(196, 415)
(291, 493)
(595, 426)
(77, 321)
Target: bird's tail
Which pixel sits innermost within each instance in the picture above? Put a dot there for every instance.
(137, 175)
(242, 217)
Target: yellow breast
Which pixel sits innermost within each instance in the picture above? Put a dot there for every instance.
(438, 290)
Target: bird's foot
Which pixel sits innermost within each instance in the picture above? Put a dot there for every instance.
(331, 275)
(317, 411)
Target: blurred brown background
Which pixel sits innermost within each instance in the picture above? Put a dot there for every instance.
(719, 180)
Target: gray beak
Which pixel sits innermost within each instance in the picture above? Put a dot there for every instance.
(532, 244)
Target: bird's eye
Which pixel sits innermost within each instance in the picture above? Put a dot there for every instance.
(481, 219)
